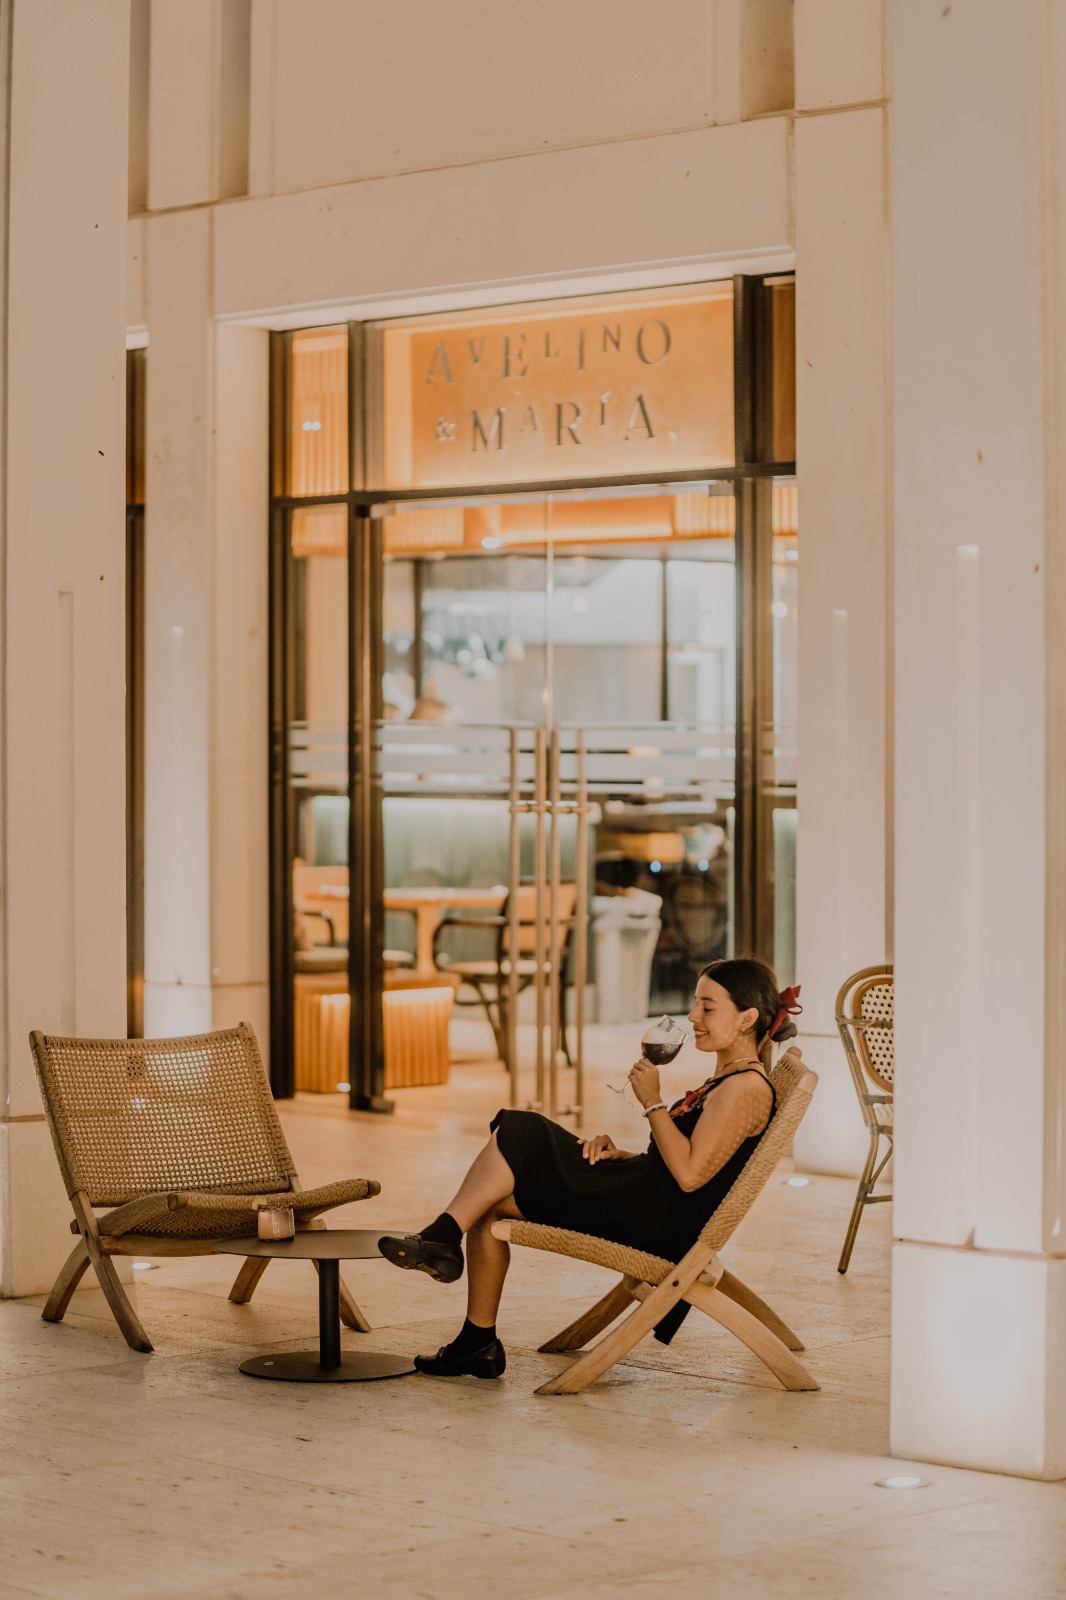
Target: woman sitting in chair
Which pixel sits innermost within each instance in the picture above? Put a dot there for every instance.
(657, 1201)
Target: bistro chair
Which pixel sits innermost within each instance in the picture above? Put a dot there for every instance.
(699, 1278)
(864, 1013)
(489, 978)
(180, 1141)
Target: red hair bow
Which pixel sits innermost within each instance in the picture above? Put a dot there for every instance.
(790, 1007)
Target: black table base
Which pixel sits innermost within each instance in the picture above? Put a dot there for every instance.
(330, 1364)
(304, 1367)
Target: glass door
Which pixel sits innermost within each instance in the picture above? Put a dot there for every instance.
(533, 632)
(568, 657)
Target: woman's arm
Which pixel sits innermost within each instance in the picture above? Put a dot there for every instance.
(737, 1111)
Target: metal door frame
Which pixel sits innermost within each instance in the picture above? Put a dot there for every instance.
(751, 475)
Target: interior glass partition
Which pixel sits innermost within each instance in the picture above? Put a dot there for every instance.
(533, 644)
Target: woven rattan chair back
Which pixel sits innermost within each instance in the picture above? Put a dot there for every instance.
(793, 1086)
(134, 1116)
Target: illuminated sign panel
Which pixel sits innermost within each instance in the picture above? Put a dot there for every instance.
(616, 386)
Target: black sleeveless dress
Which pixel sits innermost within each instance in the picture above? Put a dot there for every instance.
(636, 1202)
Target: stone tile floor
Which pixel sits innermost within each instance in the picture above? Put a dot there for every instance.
(686, 1471)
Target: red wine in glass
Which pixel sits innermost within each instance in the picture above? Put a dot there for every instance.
(661, 1042)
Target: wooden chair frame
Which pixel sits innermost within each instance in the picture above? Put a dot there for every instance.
(82, 1080)
(858, 1032)
(700, 1278)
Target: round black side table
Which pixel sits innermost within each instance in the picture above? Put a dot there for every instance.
(328, 1247)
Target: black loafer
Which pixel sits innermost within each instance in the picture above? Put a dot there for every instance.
(415, 1254)
(488, 1362)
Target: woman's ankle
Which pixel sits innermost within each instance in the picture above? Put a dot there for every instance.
(443, 1230)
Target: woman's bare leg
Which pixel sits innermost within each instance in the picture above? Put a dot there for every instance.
(488, 1182)
(487, 1260)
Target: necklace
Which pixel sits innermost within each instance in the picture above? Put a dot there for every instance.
(695, 1096)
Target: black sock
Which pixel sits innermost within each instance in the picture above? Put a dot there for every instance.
(443, 1230)
(470, 1338)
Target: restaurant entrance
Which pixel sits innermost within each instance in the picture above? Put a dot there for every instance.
(532, 737)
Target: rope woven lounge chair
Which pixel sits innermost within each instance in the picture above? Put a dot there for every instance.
(698, 1278)
(865, 1018)
(181, 1139)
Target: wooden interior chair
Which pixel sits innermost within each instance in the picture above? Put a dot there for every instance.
(180, 1140)
(864, 1013)
(698, 1278)
(489, 978)
(320, 923)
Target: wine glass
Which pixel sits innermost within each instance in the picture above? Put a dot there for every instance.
(659, 1044)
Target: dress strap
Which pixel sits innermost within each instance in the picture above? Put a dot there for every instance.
(693, 1101)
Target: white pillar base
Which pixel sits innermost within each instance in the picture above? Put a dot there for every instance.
(37, 1235)
(979, 1360)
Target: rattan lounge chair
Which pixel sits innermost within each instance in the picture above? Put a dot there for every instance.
(181, 1139)
(698, 1278)
(865, 1018)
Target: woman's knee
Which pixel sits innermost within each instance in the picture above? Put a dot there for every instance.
(499, 1211)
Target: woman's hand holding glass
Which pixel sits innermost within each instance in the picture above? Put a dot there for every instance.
(644, 1081)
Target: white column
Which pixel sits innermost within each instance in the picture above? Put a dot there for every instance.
(206, 647)
(197, 102)
(240, 964)
(62, 495)
(977, 167)
(843, 906)
(178, 588)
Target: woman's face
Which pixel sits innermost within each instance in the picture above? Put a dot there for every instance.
(716, 1022)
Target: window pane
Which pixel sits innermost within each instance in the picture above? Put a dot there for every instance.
(318, 429)
(701, 612)
(605, 621)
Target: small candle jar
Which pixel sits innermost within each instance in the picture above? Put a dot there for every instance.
(276, 1222)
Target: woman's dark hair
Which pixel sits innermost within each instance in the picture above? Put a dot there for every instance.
(751, 983)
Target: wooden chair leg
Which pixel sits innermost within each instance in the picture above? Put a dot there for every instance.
(655, 1303)
(739, 1292)
(861, 1194)
(118, 1300)
(593, 1321)
(750, 1331)
(66, 1283)
(247, 1279)
(351, 1315)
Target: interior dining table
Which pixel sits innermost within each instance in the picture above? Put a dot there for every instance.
(427, 904)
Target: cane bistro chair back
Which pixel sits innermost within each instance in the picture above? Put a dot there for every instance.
(864, 1014)
(865, 1020)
